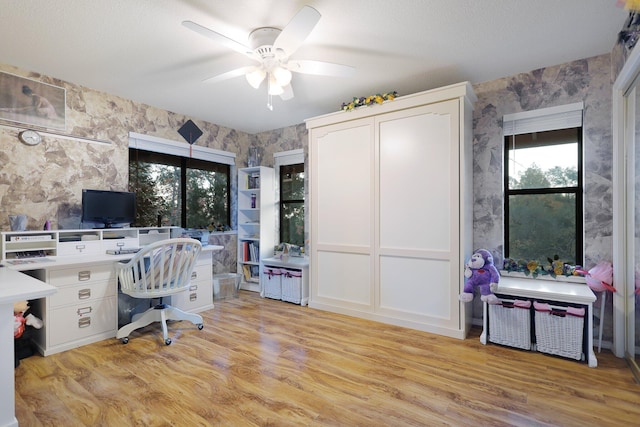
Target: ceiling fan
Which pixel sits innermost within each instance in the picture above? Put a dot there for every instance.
(272, 49)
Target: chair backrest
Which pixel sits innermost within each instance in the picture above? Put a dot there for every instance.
(159, 269)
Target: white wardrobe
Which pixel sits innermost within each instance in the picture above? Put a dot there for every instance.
(391, 210)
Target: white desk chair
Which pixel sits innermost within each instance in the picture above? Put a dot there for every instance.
(158, 270)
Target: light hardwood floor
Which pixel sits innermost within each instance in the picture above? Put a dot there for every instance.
(260, 362)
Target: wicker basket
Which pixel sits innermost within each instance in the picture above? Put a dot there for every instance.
(272, 284)
(291, 285)
(559, 330)
(510, 323)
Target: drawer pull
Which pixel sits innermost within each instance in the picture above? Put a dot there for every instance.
(120, 244)
(84, 293)
(84, 275)
(80, 247)
(193, 297)
(84, 310)
(193, 287)
(194, 275)
(84, 322)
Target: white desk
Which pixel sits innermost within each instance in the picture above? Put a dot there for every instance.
(16, 286)
(76, 260)
(552, 290)
(13, 287)
(85, 309)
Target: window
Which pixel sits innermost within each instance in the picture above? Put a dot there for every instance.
(176, 190)
(290, 174)
(179, 184)
(543, 187)
(292, 204)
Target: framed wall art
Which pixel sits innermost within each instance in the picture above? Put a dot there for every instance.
(31, 102)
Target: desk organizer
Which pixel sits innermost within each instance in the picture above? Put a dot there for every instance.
(559, 330)
(510, 323)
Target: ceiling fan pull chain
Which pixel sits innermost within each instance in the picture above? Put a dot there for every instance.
(269, 96)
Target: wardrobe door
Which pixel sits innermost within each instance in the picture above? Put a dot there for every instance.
(342, 214)
(419, 210)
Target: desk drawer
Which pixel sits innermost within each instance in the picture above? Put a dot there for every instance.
(82, 247)
(199, 296)
(127, 242)
(80, 275)
(82, 320)
(82, 293)
(201, 273)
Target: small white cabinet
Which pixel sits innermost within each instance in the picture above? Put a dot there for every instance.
(84, 310)
(199, 297)
(291, 281)
(256, 223)
(576, 293)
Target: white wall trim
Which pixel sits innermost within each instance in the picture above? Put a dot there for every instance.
(167, 146)
(622, 266)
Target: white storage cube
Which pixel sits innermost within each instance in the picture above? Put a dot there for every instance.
(291, 285)
(510, 323)
(559, 330)
(272, 286)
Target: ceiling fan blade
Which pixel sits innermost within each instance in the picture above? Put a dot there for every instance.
(229, 74)
(287, 94)
(219, 38)
(297, 30)
(320, 68)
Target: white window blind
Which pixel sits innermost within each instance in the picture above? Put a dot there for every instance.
(544, 119)
(283, 158)
(290, 157)
(167, 146)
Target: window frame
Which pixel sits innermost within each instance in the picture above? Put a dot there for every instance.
(554, 118)
(185, 156)
(286, 158)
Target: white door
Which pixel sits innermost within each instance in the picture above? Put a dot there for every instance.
(342, 214)
(419, 209)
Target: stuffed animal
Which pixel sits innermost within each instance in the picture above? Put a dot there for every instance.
(481, 273)
(20, 318)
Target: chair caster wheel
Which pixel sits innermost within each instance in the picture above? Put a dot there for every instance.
(200, 326)
(125, 340)
(167, 341)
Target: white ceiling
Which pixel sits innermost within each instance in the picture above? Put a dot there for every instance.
(139, 49)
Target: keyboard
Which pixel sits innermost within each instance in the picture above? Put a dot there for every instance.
(122, 251)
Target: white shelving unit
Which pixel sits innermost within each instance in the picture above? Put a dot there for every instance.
(23, 245)
(256, 223)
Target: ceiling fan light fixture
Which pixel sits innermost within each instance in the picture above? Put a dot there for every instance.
(274, 87)
(255, 77)
(282, 76)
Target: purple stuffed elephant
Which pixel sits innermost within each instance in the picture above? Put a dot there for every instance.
(480, 272)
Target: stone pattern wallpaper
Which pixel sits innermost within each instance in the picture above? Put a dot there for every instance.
(587, 80)
(45, 181)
